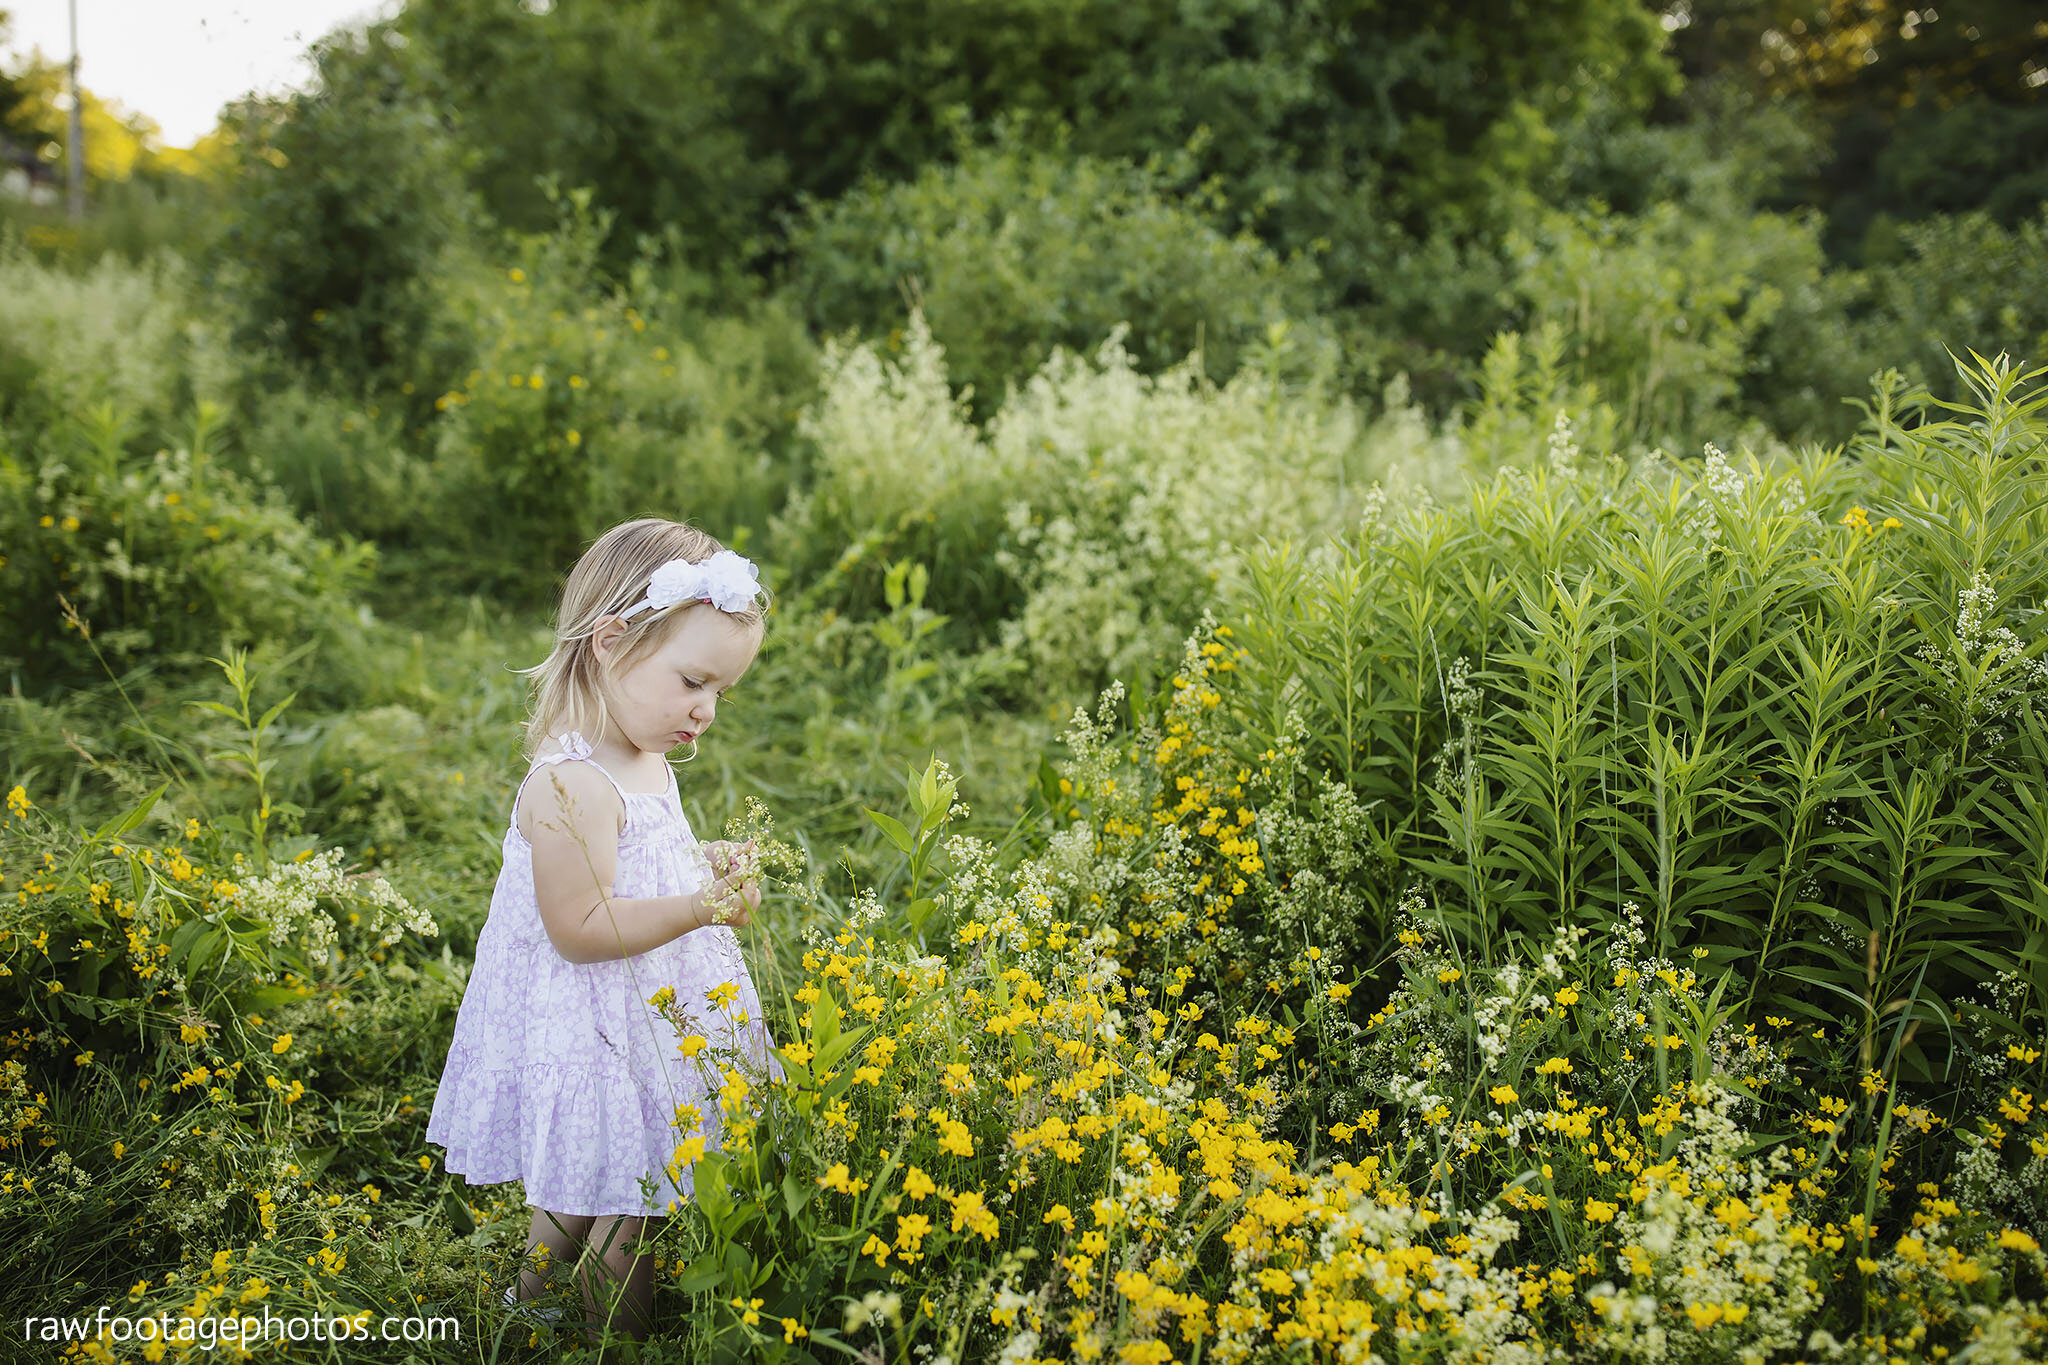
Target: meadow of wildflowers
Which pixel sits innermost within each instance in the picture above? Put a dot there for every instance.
(1596, 913)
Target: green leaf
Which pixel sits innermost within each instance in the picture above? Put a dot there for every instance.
(267, 998)
(1048, 781)
(457, 1210)
(701, 1274)
(272, 713)
(841, 1045)
(892, 827)
(714, 1196)
(794, 1196)
(182, 939)
(121, 824)
(213, 940)
(824, 1022)
(1760, 1142)
(825, 1336)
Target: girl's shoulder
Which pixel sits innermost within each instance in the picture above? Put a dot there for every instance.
(568, 793)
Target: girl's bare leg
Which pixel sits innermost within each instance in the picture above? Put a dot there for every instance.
(618, 1270)
(561, 1234)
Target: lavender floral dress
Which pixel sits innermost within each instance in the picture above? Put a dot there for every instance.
(560, 1073)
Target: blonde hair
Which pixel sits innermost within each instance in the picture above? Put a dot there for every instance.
(611, 576)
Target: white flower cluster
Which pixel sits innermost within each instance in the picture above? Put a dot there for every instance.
(1116, 500)
(1564, 449)
(1071, 863)
(1498, 1017)
(1494, 1018)
(1092, 742)
(865, 909)
(970, 869)
(1462, 699)
(1996, 650)
(1136, 1191)
(1023, 1347)
(1721, 476)
(1723, 482)
(877, 1306)
(293, 901)
(1318, 851)
(1983, 1181)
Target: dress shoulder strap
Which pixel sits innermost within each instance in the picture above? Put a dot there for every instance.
(572, 748)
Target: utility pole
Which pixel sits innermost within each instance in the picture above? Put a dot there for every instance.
(77, 139)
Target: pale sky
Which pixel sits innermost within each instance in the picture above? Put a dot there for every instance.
(179, 61)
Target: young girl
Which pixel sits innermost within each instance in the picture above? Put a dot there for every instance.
(561, 1073)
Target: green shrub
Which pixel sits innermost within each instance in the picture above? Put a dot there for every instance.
(385, 782)
(156, 211)
(350, 467)
(1435, 303)
(110, 333)
(1095, 514)
(177, 985)
(163, 560)
(1013, 252)
(541, 404)
(1945, 285)
(1965, 152)
(1530, 411)
(987, 1133)
(583, 406)
(346, 197)
(1665, 312)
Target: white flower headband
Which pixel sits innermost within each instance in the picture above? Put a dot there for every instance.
(726, 580)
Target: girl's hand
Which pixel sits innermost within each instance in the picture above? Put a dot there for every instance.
(734, 893)
(723, 852)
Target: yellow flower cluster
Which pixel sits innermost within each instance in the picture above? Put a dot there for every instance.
(1857, 519)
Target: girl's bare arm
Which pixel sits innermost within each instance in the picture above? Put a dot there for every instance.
(572, 815)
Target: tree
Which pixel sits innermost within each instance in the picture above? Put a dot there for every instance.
(1930, 108)
(344, 198)
(117, 143)
(1331, 124)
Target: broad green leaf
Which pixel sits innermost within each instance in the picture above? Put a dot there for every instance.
(893, 828)
(122, 824)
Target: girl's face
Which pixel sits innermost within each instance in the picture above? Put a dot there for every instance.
(669, 697)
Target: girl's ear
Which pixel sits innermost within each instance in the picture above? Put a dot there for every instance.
(606, 637)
